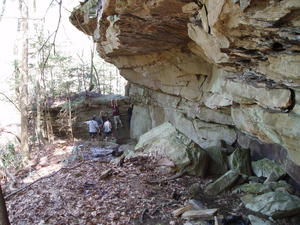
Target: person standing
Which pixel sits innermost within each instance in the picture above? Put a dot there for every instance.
(107, 128)
(93, 128)
(129, 113)
(116, 113)
(99, 119)
(100, 122)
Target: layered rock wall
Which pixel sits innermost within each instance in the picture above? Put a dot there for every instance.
(216, 69)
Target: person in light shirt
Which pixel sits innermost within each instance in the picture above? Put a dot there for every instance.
(107, 129)
(93, 128)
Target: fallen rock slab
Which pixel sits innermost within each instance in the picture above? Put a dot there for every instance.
(198, 214)
(240, 160)
(253, 188)
(259, 188)
(196, 204)
(106, 173)
(198, 223)
(181, 210)
(224, 182)
(274, 204)
(258, 221)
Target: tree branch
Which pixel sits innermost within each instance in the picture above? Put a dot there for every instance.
(3, 9)
(58, 25)
(9, 132)
(10, 101)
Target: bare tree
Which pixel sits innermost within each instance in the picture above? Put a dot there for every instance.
(3, 211)
(23, 68)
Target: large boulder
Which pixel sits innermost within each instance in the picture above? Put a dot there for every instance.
(259, 188)
(279, 128)
(166, 142)
(268, 168)
(274, 204)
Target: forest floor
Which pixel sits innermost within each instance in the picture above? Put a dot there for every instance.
(86, 192)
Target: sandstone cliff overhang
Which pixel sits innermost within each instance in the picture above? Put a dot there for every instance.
(226, 64)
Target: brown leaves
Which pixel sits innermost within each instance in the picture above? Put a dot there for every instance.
(98, 193)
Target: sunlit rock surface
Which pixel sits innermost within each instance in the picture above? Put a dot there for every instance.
(212, 68)
(167, 143)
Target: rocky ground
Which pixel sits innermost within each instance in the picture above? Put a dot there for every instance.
(79, 189)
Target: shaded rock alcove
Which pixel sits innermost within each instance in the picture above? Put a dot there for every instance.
(83, 108)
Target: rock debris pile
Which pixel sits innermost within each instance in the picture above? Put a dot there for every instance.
(260, 184)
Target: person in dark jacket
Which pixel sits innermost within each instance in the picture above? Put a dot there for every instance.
(116, 113)
(129, 113)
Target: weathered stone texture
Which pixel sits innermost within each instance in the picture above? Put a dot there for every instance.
(166, 142)
(210, 68)
(140, 122)
(222, 183)
(271, 204)
(280, 128)
(239, 161)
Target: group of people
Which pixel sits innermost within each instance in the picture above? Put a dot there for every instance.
(102, 124)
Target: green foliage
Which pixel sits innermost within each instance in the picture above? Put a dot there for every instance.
(78, 174)
(10, 157)
(74, 104)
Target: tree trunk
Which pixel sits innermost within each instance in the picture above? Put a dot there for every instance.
(47, 125)
(70, 123)
(92, 68)
(39, 127)
(110, 83)
(83, 77)
(3, 211)
(50, 135)
(97, 81)
(38, 92)
(117, 82)
(23, 67)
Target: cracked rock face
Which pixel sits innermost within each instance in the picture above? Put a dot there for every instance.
(210, 67)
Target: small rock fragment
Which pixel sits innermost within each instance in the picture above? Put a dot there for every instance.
(181, 210)
(222, 183)
(202, 213)
(106, 173)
